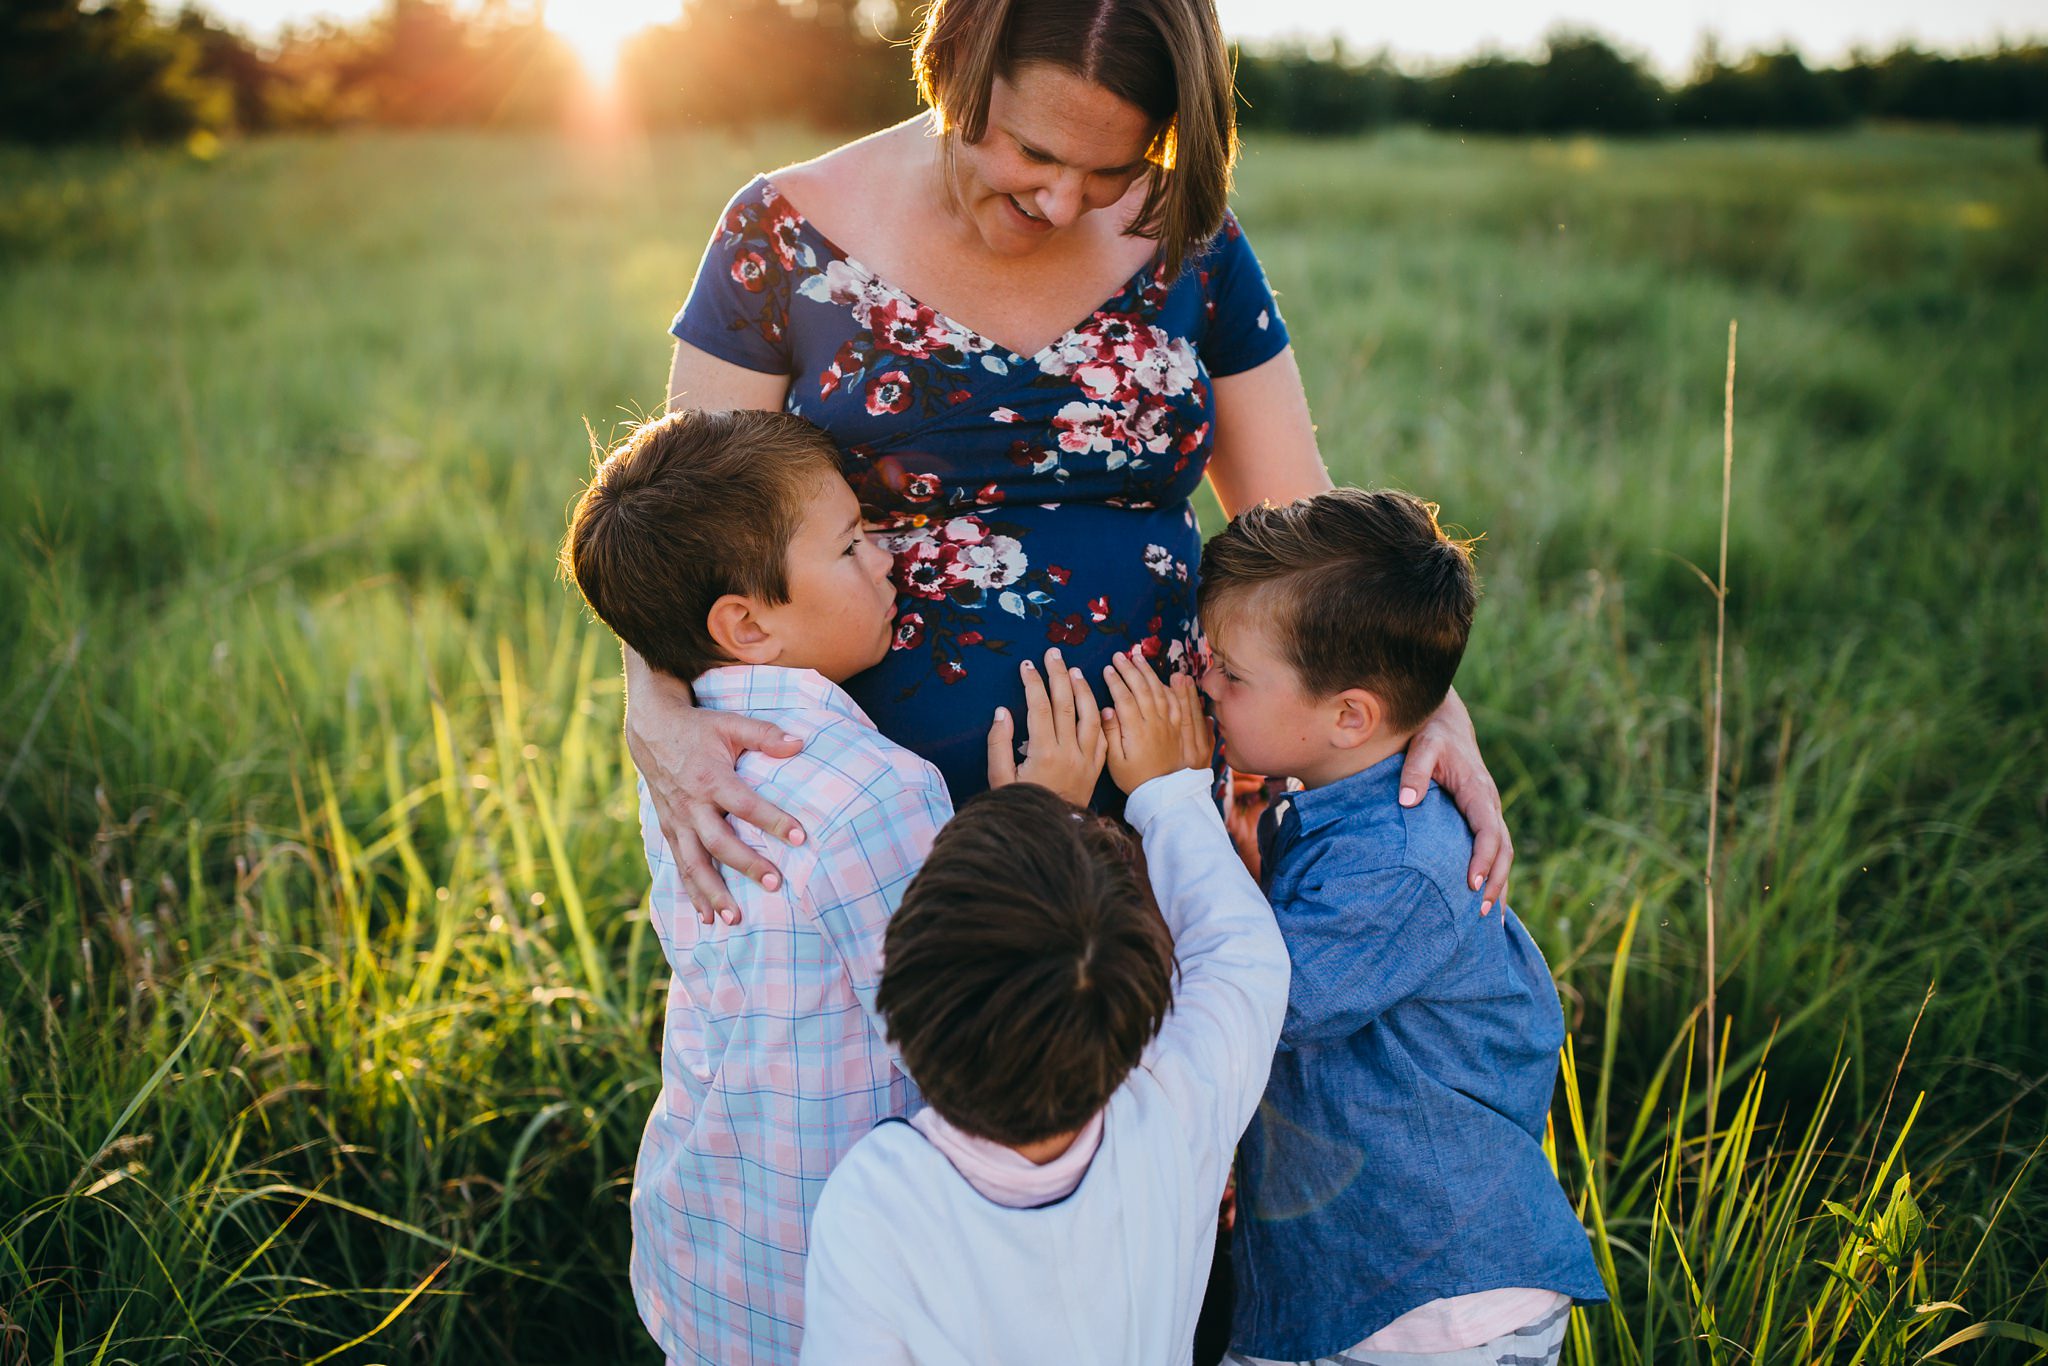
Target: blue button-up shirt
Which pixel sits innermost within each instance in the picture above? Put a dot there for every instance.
(1398, 1155)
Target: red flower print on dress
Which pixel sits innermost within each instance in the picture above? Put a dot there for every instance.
(989, 493)
(969, 638)
(951, 672)
(846, 362)
(1098, 610)
(902, 326)
(1059, 574)
(750, 268)
(1068, 630)
(909, 632)
(1034, 458)
(889, 392)
(784, 229)
(921, 488)
(928, 568)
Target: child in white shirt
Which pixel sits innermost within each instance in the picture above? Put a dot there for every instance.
(1057, 1201)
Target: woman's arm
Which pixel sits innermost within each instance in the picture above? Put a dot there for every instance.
(688, 756)
(1266, 452)
(697, 379)
(1265, 449)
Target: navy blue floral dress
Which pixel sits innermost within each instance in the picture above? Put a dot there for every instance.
(1030, 501)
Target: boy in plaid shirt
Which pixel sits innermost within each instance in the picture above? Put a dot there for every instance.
(727, 549)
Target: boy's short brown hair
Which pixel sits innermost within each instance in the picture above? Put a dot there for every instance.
(1027, 967)
(687, 509)
(1363, 590)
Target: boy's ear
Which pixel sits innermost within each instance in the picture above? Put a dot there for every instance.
(1358, 718)
(736, 626)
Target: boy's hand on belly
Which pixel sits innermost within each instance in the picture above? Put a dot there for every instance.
(1153, 730)
(1064, 744)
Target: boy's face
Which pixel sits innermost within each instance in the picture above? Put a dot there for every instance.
(1271, 725)
(838, 619)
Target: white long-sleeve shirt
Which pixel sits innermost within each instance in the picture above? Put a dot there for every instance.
(910, 1264)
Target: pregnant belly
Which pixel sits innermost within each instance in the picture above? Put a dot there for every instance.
(979, 592)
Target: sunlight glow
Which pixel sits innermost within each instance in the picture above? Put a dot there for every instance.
(596, 29)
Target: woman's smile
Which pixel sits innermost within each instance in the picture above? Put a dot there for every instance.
(1026, 219)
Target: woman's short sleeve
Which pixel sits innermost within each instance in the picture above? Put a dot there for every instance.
(738, 309)
(1245, 329)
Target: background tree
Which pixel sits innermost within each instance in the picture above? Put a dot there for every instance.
(1299, 90)
(68, 73)
(1766, 90)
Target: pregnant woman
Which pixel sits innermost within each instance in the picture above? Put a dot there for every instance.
(1032, 325)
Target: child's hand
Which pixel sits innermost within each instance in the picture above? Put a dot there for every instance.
(1064, 746)
(1197, 733)
(1152, 729)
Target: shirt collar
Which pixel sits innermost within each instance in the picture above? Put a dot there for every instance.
(769, 687)
(1368, 796)
(1002, 1174)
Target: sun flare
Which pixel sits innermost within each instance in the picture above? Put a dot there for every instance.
(596, 29)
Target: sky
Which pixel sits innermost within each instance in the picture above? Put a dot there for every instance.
(1667, 32)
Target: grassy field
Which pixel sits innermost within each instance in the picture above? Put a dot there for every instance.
(328, 1001)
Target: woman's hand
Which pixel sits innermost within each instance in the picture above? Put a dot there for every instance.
(1152, 728)
(1446, 749)
(688, 755)
(1064, 747)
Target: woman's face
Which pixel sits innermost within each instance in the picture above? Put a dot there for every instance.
(1057, 146)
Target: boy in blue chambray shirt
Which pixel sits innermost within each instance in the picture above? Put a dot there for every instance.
(1395, 1207)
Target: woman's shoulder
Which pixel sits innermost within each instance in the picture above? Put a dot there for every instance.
(1225, 242)
(840, 183)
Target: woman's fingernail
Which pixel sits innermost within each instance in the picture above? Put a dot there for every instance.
(791, 740)
(771, 882)
(796, 835)
(1076, 673)
(1002, 713)
(1027, 666)
(1408, 797)
(1478, 881)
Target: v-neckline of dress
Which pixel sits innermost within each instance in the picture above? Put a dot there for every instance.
(1036, 358)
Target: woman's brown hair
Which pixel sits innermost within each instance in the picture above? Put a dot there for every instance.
(1166, 57)
(1027, 967)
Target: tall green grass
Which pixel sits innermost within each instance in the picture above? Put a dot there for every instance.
(329, 1001)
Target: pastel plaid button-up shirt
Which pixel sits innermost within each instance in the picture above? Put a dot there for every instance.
(773, 1059)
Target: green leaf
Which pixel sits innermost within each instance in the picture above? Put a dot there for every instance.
(1990, 1328)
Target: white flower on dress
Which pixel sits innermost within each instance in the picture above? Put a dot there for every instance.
(1087, 427)
(1167, 369)
(994, 563)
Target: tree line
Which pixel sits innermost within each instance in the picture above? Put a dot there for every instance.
(71, 70)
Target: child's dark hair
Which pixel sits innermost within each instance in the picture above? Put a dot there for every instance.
(687, 509)
(1363, 590)
(1027, 967)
